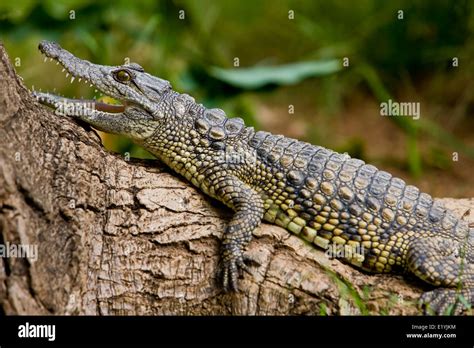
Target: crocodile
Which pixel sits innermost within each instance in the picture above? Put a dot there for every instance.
(329, 199)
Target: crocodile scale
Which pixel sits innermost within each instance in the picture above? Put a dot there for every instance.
(331, 200)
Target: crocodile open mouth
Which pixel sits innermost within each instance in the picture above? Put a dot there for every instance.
(80, 71)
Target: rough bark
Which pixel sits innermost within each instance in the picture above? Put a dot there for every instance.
(130, 237)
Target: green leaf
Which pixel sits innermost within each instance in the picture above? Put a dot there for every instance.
(323, 310)
(258, 76)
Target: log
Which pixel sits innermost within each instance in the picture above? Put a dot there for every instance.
(128, 237)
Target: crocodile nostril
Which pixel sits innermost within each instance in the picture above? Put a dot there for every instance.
(43, 46)
(50, 49)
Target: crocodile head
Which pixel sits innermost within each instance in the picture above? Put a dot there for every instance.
(138, 92)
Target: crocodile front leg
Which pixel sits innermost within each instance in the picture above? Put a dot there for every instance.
(248, 207)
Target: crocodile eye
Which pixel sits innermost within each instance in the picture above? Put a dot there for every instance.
(122, 76)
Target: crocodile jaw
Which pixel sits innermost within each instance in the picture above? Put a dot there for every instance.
(84, 71)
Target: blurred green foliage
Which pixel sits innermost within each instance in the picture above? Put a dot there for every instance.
(259, 76)
(194, 45)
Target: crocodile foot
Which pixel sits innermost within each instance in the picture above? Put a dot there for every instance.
(446, 301)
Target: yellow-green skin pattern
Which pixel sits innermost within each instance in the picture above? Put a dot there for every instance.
(329, 199)
(375, 221)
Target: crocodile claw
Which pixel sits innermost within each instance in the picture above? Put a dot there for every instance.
(231, 270)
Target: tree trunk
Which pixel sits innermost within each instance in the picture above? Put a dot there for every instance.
(129, 237)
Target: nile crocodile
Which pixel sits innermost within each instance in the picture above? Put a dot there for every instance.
(328, 199)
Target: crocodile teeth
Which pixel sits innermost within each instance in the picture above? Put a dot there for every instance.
(57, 63)
(72, 79)
(45, 59)
(63, 70)
(79, 79)
(90, 85)
(67, 74)
(50, 59)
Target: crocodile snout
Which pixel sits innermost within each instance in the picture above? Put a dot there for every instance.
(50, 49)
